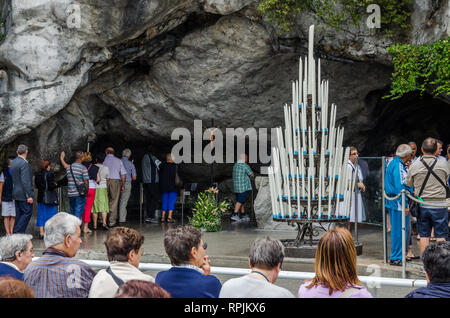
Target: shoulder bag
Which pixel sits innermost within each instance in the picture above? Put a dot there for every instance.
(414, 207)
(81, 188)
(50, 197)
(178, 181)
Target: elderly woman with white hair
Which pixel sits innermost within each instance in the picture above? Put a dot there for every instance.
(16, 252)
(56, 274)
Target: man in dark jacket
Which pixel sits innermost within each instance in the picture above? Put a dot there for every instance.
(23, 192)
(436, 262)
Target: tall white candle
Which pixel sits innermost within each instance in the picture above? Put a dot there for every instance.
(294, 110)
(302, 172)
(271, 187)
(309, 193)
(300, 79)
(312, 172)
(310, 58)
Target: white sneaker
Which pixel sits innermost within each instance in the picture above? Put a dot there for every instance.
(245, 218)
(235, 217)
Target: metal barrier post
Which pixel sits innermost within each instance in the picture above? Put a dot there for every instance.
(403, 235)
(383, 209)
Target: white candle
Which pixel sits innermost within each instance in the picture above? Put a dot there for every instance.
(271, 187)
(310, 58)
(319, 96)
(302, 172)
(330, 191)
(294, 110)
(300, 79)
(309, 193)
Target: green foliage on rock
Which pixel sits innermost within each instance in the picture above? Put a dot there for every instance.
(420, 68)
(395, 14)
(207, 213)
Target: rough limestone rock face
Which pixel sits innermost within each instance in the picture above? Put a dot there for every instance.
(128, 72)
(430, 21)
(51, 44)
(224, 7)
(263, 207)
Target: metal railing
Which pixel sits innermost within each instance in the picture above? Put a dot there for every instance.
(371, 280)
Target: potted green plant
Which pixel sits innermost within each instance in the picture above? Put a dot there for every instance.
(207, 213)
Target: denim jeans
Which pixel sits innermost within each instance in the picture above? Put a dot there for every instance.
(77, 206)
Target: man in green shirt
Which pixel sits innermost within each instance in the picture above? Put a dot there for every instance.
(241, 182)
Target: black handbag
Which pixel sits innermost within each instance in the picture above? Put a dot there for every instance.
(50, 197)
(414, 207)
(81, 188)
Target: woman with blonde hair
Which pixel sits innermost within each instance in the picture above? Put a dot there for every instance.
(335, 268)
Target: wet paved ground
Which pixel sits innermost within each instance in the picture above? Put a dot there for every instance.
(230, 248)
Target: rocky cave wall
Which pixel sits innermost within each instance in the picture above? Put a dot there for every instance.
(133, 71)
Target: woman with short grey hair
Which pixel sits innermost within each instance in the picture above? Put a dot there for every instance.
(16, 252)
(265, 259)
(58, 227)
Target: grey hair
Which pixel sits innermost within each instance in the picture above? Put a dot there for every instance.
(58, 227)
(22, 149)
(126, 153)
(13, 243)
(403, 150)
(266, 253)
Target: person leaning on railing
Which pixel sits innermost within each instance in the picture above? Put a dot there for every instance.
(430, 216)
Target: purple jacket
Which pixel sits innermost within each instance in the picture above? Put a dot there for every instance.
(324, 292)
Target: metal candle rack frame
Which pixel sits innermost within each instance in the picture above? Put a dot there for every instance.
(301, 173)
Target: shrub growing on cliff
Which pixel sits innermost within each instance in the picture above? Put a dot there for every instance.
(420, 68)
(394, 13)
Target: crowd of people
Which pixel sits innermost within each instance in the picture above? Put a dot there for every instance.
(58, 274)
(427, 178)
(99, 186)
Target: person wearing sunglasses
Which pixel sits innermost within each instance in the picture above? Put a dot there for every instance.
(190, 275)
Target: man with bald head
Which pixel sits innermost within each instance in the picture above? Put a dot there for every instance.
(434, 191)
(116, 185)
(394, 183)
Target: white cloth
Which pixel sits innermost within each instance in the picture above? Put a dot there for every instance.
(104, 286)
(252, 287)
(361, 210)
(104, 174)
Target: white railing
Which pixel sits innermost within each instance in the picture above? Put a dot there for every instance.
(369, 280)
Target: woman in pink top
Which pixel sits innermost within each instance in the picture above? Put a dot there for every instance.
(335, 268)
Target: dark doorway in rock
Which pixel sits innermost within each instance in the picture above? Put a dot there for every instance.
(410, 118)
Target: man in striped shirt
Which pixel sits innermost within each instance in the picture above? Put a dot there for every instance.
(77, 175)
(56, 274)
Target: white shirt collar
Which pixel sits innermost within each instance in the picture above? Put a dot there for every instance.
(23, 158)
(190, 267)
(12, 265)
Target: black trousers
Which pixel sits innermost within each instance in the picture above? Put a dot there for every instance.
(152, 197)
